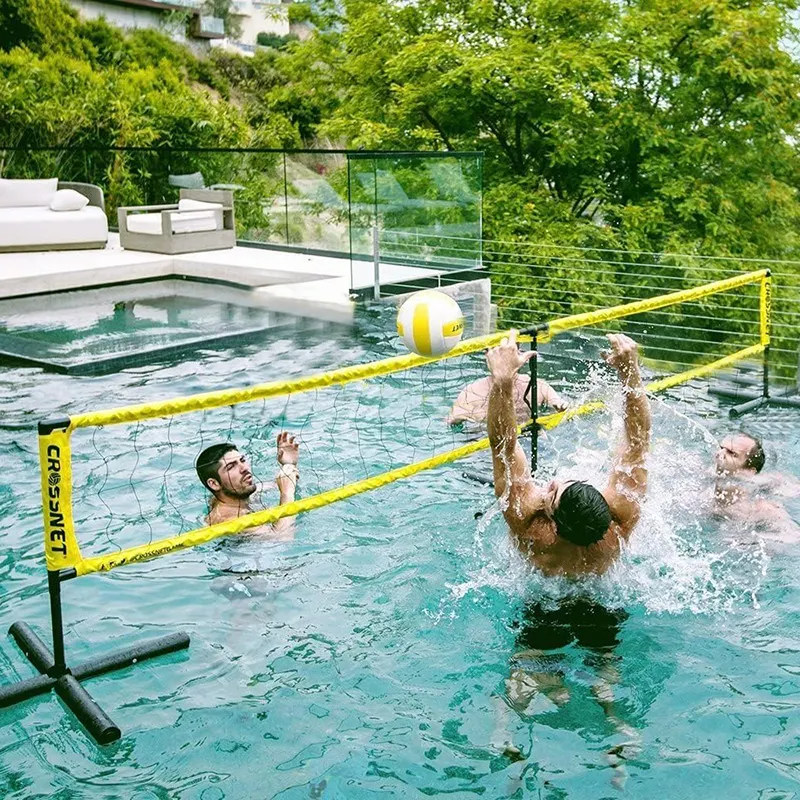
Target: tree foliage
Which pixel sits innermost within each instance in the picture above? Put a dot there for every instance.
(637, 125)
(44, 26)
(671, 122)
(275, 40)
(647, 125)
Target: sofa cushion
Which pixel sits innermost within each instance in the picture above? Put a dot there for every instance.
(22, 193)
(68, 200)
(187, 204)
(32, 225)
(183, 222)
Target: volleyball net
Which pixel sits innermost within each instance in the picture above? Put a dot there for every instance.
(119, 486)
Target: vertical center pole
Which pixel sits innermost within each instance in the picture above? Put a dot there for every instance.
(766, 321)
(534, 370)
(59, 659)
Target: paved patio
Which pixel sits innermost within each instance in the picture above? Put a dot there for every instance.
(306, 285)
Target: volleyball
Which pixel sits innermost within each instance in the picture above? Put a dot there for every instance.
(430, 323)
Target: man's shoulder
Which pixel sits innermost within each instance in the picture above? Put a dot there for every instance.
(225, 513)
(780, 484)
(479, 386)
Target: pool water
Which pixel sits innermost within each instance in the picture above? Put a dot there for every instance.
(368, 658)
(94, 331)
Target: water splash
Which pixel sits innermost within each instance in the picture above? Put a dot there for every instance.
(680, 558)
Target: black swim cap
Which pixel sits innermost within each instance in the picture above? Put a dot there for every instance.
(582, 516)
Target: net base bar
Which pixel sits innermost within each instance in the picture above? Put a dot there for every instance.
(753, 400)
(67, 683)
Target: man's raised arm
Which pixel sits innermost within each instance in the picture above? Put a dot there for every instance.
(628, 481)
(286, 479)
(511, 470)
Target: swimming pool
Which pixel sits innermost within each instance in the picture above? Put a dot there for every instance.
(365, 659)
(103, 330)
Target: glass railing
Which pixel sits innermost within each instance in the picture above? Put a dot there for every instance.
(419, 205)
(416, 205)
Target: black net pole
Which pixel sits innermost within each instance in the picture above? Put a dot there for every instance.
(767, 288)
(54, 588)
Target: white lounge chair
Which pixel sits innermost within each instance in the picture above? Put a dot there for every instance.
(201, 220)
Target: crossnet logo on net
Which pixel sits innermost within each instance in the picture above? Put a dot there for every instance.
(55, 517)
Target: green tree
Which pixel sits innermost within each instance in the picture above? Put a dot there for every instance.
(275, 40)
(673, 122)
(289, 93)
(40, 25)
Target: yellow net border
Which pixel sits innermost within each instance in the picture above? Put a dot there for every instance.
(61, 547)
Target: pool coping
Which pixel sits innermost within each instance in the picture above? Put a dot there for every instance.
(303, 284)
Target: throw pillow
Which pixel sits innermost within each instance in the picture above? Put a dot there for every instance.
(68, 200)
(15, 193)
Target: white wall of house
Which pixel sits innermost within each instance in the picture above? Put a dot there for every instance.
(256, 16)
(132, 17)
(127, 17)
(302, 30)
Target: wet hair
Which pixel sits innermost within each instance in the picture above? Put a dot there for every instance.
(582, 516)
(756, 457)
(207, 464)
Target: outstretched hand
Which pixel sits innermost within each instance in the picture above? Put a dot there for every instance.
(505, 360)
(623, 356)
(288, 448)
(550, 397)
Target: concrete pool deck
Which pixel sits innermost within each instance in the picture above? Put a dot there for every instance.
(296, 283)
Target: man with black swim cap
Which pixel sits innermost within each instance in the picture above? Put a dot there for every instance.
(569, 527)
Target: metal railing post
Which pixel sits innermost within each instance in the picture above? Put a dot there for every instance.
(376, 262)
(534, 387)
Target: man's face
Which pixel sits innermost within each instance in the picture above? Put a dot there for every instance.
(235, 476)
(732, 454)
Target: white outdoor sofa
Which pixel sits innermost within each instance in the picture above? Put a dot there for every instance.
(201, 220)
(51, 215)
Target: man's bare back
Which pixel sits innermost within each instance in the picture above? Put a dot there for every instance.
(472, 404)
(569, 528)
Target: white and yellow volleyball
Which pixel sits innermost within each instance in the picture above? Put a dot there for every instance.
(430, 323)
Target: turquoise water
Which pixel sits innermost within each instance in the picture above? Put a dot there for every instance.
(368, 657)
(101, 331)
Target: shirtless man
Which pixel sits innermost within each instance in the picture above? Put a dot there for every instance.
(226, 473)
(472, 405)
(743, 492)
(569, 528)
